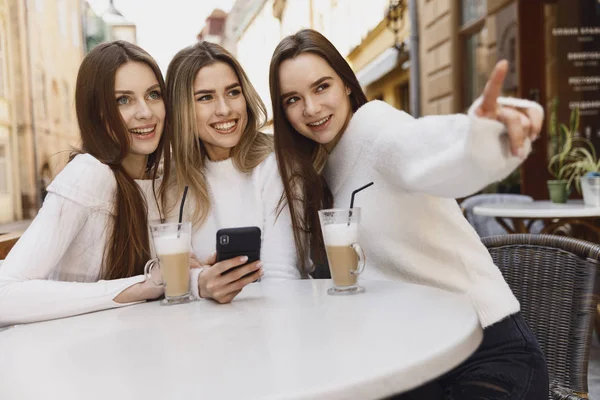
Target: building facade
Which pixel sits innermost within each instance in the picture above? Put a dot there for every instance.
(268, 21)
(37, 110)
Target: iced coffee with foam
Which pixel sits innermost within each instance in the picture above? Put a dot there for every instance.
(344, 255)
(173, 252)
(172, 244)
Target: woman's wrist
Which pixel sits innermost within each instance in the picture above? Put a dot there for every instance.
(195, 274)
(150, 290)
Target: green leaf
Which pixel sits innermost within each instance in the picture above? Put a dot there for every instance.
(574, 123)
(553, 120)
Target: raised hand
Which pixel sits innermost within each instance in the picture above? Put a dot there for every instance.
(522, 122)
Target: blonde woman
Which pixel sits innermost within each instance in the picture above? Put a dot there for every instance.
(229, 166)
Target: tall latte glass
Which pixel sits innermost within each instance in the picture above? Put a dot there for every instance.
(345, 256)
(172, 242)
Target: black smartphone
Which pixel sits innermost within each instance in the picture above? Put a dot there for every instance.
(235, 242)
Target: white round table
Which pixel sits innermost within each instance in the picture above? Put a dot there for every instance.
(538, 209)
(276, 340)
(555, 216)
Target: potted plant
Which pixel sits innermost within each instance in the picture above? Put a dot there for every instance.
(561, 140)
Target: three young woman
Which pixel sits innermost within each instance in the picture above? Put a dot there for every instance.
(91, 237)
(86, 248)
(330, 140)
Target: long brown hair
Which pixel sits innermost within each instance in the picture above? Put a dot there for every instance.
(105, 136)
(188, 150)
(300, 159)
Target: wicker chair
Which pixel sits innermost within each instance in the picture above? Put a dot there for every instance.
(554, 278)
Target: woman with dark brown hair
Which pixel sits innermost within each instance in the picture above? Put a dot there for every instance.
(86, 249)
(230, 168)
(330, 140)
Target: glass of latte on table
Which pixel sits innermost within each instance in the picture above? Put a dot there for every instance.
(345, 256)
(172, 243)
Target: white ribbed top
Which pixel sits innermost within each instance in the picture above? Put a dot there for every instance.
(249, 199)
(53, 271)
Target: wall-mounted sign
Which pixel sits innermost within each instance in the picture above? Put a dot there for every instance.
(577, 36)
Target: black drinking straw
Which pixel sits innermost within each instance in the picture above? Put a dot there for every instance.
(185, 190)
(352, 199)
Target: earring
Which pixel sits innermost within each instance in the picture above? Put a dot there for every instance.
(348, 91)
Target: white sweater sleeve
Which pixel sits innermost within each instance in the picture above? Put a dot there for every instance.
(278, 252)
(447, 156)
(26, 294)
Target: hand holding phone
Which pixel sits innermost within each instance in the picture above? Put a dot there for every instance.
(226, 279)
(237, 264)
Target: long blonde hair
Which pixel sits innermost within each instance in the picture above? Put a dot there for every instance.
(188, 150)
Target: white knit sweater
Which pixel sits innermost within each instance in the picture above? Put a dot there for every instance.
(249, 199)
(412, 228)
(53, 271)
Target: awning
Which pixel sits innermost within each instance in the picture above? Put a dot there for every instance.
(382, 65)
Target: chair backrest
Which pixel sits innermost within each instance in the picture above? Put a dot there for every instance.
(484, 225)
(555, 280)
(7, 241)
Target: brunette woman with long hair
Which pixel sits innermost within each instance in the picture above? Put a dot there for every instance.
(229, 166)
(330, 140)
(86, 249)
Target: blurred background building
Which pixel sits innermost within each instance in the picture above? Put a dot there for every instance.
(423, 56)
(214, 28)
(106, 25)
(117, 26)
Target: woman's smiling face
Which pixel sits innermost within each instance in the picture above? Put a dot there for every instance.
(221, 112)
(314, 97)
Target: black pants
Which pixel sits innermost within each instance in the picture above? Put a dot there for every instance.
(508, 364)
